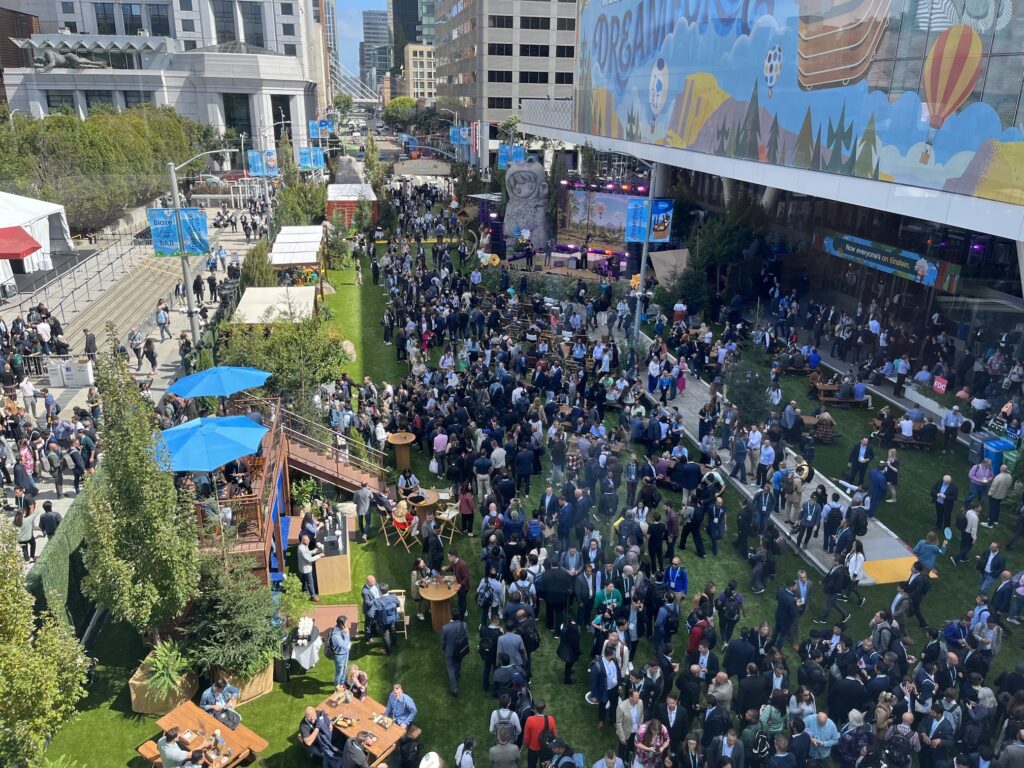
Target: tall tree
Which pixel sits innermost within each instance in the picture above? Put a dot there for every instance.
(745, 386)
(839, 140)
(816, 152)
(867, 158)
(804, 143)
(749, 140)
(399, 111)
(141, 537)
(342, 104)
(42, 666)
(772, 148)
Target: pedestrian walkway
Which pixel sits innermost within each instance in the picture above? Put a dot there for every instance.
(888, 557)
(125, 308)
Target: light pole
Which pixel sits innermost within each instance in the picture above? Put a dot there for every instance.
(186, 268)
(647, 245)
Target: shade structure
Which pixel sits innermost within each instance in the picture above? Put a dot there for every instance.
(16, 243)
(204, 444)
(219, 381)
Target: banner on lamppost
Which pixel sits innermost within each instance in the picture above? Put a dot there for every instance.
(305, 159)
(263, 162)
(636, 220)
(518, 154)
(327, 128)
(503, 156)
(314, 129)
(195, 237)
(318, 157)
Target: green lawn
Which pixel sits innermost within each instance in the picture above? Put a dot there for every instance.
(106, 733)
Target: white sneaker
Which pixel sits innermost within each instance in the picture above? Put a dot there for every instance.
(421, 617)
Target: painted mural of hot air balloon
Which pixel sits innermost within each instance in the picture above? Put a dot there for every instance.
(772, 67)
(950, 71)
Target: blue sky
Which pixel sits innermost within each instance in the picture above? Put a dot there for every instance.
(350, 28)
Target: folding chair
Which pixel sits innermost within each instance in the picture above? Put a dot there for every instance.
(403, 618)
(402, 529)
(447, 526)
(385, 525)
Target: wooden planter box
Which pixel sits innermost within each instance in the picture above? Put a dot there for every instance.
(146, 701)
(248, 690)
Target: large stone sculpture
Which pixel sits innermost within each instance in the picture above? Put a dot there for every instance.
(51, 59)
(527, 202)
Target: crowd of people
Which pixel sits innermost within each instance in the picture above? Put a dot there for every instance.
(680, 672)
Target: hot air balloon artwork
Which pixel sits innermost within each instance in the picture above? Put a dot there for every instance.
(658, 89)
(772, 67)
(950, 71)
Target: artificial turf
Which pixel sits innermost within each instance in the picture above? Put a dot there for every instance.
(106, 732)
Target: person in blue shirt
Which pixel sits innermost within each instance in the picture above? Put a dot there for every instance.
(401, 708)
(219, 697)
(928, 550)
(860, 392)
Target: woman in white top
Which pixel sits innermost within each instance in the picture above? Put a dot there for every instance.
(855, 565)
(802, 703)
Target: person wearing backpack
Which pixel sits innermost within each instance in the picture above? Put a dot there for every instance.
(730, 610)
(540, 733)
(901, 742)
(835, 583)
(338, 646)
(667, 622)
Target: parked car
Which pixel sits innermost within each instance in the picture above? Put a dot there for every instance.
(234, 175)
(209, 178)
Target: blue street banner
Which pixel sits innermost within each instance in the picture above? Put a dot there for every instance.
(453, 134)
(636, 220)
(460, 134)
(194, 234)
(314, 129)
(327, 128)
(255, 162)
(518, 154)
(503, 156)
(270, 167)
(305, 159)
(318, 158)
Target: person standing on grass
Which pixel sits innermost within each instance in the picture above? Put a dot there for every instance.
(534, 726)
(454, 640)
(338, 647)
(967, 524)
(997, 492)
(307, 556)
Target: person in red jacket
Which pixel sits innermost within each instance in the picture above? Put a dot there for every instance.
(533, 728)
(461, 572)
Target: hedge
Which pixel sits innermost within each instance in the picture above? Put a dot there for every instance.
(55, 579)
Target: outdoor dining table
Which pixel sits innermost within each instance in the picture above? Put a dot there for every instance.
(439, 594)
(358, 715)
(423, 501)
(401, 442)
(196, 724)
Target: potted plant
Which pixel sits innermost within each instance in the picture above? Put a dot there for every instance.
(231, 627)
(303, 491)
(163, 680)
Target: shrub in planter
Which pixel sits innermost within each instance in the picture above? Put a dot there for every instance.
(231, 627)
(162, 681)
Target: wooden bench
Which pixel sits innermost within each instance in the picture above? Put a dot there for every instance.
(913, 442)
(848, 403)
(149, 752)
(799, 371)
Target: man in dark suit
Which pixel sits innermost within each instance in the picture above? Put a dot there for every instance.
(918, 586)
(990, 564)
(706, 660)
(753, 690)
(715, 749)
(787, 612)
(846, 694)
(548, 507)
(859, 460)
(738, 654)
(936, 735)
(800, 742)
(676, 720)
(716, 722)
(944, 496)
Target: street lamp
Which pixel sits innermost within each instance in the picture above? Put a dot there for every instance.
(647, 243)
(186, 268)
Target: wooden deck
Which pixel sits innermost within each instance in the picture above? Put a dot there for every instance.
(325, 467)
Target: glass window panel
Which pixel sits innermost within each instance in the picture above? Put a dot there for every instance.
(131, 14)
(56, 100)
(105, 22)
(159, 20)
(252, 23)
(224, 20)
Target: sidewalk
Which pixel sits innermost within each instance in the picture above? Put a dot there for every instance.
(167, 371)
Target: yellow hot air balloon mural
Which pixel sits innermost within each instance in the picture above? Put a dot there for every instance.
(950, 72)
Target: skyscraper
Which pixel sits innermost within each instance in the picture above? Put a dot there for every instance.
(375, 51)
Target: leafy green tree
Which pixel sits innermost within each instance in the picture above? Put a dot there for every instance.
(257, 271)
(400, 111)
(301, 204)
(342, 104)
(141, 536)
(299, 355)
(745, 386)
(558, 171)
(286, 160)
(362, 218)
(42, 666)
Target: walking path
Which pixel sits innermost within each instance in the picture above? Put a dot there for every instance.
(129, 299)
(888, 557)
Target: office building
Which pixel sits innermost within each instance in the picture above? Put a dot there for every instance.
(885, 147)
(419, 71)
(403, 23)
(375, 50)
(492, 53)
(252, 66)
(14, 24)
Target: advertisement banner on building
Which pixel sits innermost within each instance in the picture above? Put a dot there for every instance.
(318, 158)
(503, 156)
(518, 154)
(636, 220)
(305, 159)
(888, 258)
(314, 129)
(918, 94)
(195, 237)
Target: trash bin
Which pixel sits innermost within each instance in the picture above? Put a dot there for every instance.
(994, 450)
(1010, 459)
(976, 447)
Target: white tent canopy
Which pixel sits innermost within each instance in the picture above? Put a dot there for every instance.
(300, 235)
(261, 305)
(46, 222)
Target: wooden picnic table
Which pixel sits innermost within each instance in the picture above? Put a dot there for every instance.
(823, 387)
(361, 713)
(809, 421)
(195, 725)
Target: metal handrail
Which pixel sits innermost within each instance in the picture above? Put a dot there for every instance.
(331, 451)
(377, 457)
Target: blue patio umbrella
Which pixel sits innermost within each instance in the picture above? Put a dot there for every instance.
(220, 381)
(203, 445)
